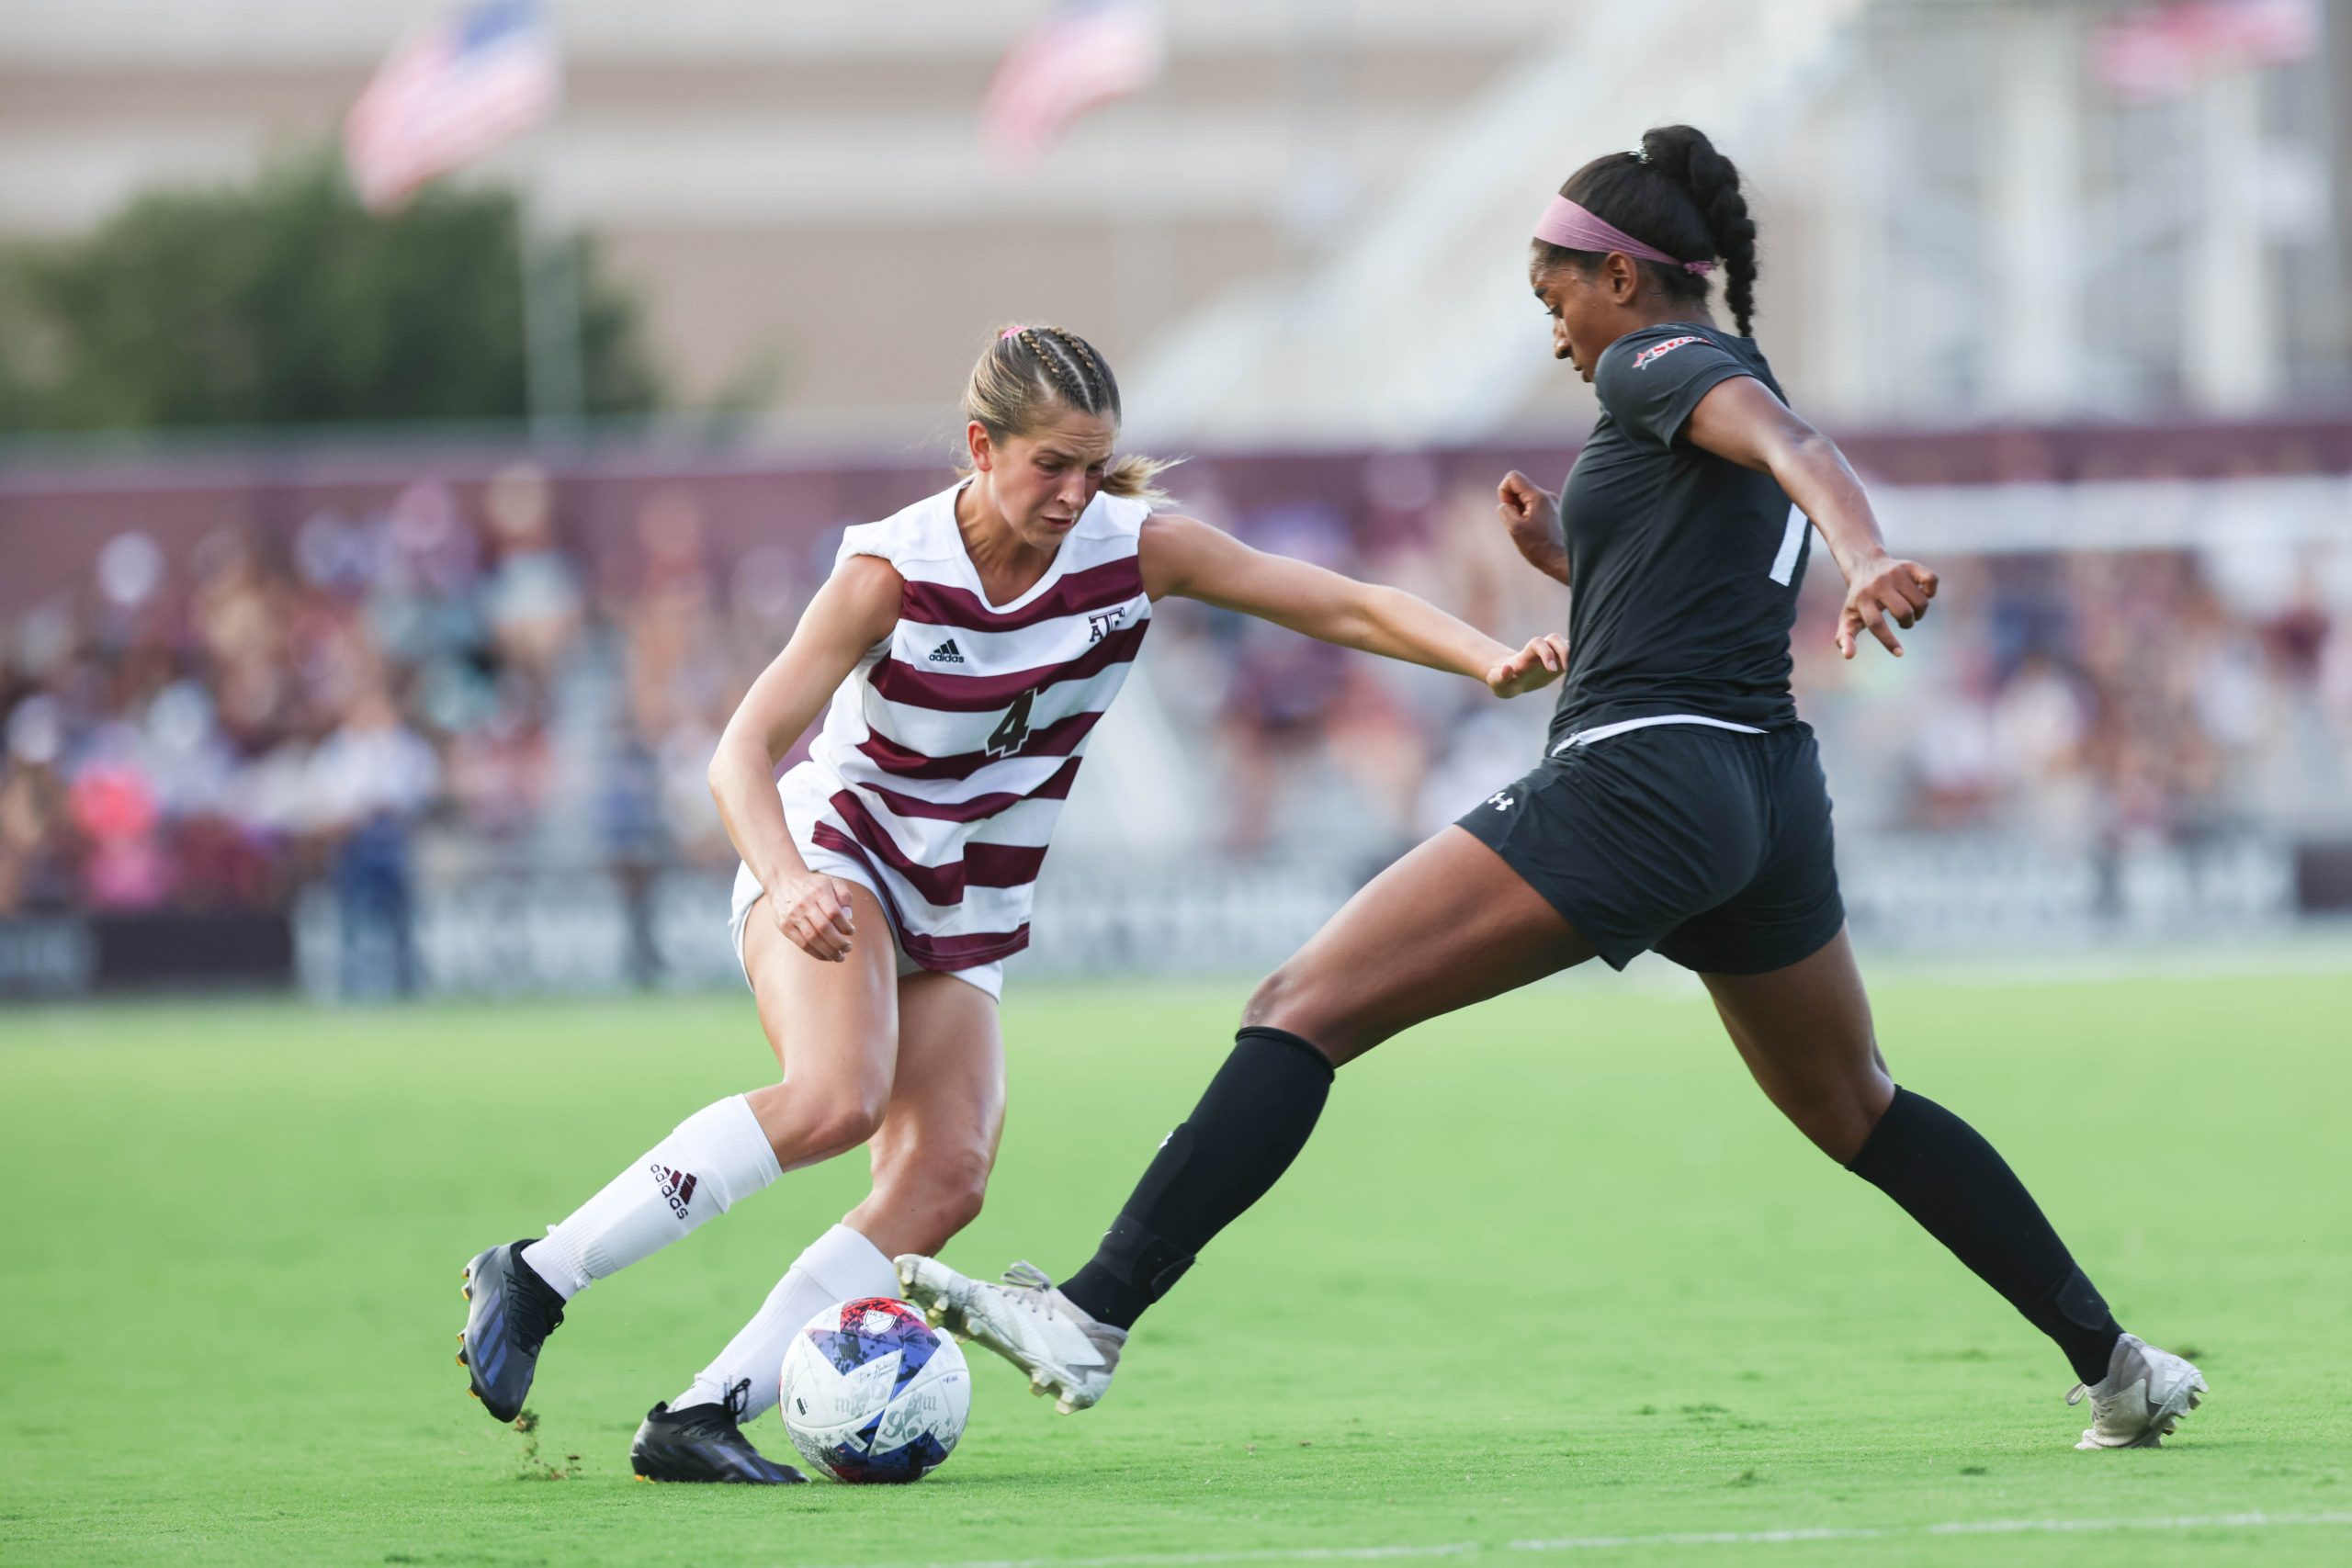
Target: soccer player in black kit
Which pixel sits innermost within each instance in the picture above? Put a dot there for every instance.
(1680, 806)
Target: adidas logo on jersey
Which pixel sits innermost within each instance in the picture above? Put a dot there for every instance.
(947, 653)
(677, 1185)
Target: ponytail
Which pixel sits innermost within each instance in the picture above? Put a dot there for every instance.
(1684, 155)
(1135, 477)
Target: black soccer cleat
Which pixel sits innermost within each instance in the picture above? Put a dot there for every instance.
(705, 1442)
(513, 1311)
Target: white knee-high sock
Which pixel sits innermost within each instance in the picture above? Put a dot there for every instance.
(839, 1266)
(713, 1158)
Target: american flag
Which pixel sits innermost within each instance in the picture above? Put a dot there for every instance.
(450, 94)
(2164, 50)
(1084, 53)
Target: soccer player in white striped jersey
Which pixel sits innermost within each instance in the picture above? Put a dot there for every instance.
(960, 653)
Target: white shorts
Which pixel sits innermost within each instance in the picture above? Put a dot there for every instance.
(989, 977)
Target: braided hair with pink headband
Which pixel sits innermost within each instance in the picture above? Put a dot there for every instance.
(1674, 206)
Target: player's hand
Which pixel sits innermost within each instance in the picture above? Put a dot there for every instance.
(813, 911)
(1532, 514)
(1884, 590)
(1532, 669)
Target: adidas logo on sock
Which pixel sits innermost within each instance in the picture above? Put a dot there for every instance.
(677, 1185)
(947, 653)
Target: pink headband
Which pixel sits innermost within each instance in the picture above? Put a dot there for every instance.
(1010, 331)
(1572, 228)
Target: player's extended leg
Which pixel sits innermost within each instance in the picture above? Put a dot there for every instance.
(1448, 925)
(932, 1156)
(843, 1022)
(930, 1159)
(937, 1145)
(1805, 1033)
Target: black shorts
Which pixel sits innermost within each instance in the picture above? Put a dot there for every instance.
(1712, 846)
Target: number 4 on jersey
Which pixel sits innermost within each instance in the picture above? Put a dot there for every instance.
(1010, 736)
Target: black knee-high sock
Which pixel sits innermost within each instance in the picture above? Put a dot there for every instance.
(1236, 1144)
(1949, 1179)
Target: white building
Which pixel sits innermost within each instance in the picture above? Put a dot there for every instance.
(1311, 229)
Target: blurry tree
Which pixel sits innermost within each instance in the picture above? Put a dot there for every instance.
(286, 302)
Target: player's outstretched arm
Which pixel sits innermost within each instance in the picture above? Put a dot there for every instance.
(850, 614)
(1741, 420)
(1191, 560)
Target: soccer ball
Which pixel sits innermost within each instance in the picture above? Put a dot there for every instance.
(871, 1395)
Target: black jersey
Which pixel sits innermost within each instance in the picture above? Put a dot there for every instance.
(1684, 566)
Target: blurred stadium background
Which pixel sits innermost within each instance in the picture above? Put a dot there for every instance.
(374, 582)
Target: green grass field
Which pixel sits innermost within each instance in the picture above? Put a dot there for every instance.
(1552, 1282)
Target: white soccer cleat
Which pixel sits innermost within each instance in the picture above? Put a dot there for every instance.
(1025, 1320)
(2143, 1396)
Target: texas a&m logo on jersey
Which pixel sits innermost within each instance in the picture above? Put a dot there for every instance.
(1658, 350)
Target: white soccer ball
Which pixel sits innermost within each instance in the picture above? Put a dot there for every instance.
(872, 1395)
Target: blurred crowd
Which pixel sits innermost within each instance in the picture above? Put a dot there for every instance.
(222, 729)
(2104, 698)
(449, 681)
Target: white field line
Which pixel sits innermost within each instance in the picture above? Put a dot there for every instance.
(1691, 1538)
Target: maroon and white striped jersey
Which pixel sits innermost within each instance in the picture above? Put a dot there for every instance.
(946, 755)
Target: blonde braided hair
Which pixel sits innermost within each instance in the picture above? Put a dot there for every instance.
(1020, 383)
